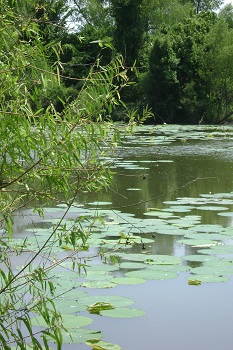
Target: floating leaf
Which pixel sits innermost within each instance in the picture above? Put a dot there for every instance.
(208, 228)
(129, 280)
(228, 214)
(98, 284)
(118, 301)
(69, 321)
(212, 207)
(208, 279)
(200, 258)
(102, 345)
(122, 312)
(69, 306)
(132, 265)
(151, 274)
(198, 242)
(213, 270)
(100, 203)
(79, 335)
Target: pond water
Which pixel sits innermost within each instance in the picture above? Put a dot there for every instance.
(172, 189)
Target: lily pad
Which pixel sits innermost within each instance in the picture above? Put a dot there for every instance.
(69, 306)
(122, 312)
(200, 258)
(208, 278)
(102, 345)
(69, 321)
(132, 265)
(198, 242)
(228, 214)
(212, 207)
(151, 274)
(128, 280)
(98, 284)
(116, 300)
(79, 335)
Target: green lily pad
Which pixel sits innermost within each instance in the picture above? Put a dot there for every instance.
(129, 280)
(152, 259)
(151, 274)
(69, 306)
(79, 335)
(69, 321)
(228, 214)
(98, 284)
(198, 242)
(212, 207)
(116, 300)
(179, 209)
(100, 203)
(102, 345)
(122, 312)
(160, 214)
(208, 236)
(132, 265)
(207, 228)
(218, 250)
(208, 278)
(200, 258)
(104, 268)
(213, 270)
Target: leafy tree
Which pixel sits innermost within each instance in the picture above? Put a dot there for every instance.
(205, 5)
(45, 155)
(217, 69)
(227, 14)
(130, 26)
(177, 87)
(190, 75)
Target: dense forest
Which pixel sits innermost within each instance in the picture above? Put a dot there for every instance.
(180, 52)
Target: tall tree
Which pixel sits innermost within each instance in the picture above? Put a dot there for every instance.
(205, 5)
(130, 26)
(177, 87)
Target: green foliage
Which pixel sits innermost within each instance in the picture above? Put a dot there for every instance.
(128, 37)
(46, 155)
(226, 14)
(181, 85)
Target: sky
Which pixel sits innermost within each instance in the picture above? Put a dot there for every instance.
(228, 2)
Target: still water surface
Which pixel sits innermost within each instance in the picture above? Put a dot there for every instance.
(154, 166)
(178, 316)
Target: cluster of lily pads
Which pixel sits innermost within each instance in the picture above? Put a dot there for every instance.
(207, 256)
(124, 249)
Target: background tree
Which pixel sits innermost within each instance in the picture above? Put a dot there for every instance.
(177, 89)
(205, 5)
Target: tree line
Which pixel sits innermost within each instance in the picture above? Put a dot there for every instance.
(180, 52)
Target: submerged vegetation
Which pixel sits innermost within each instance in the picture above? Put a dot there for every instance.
(61, 89)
